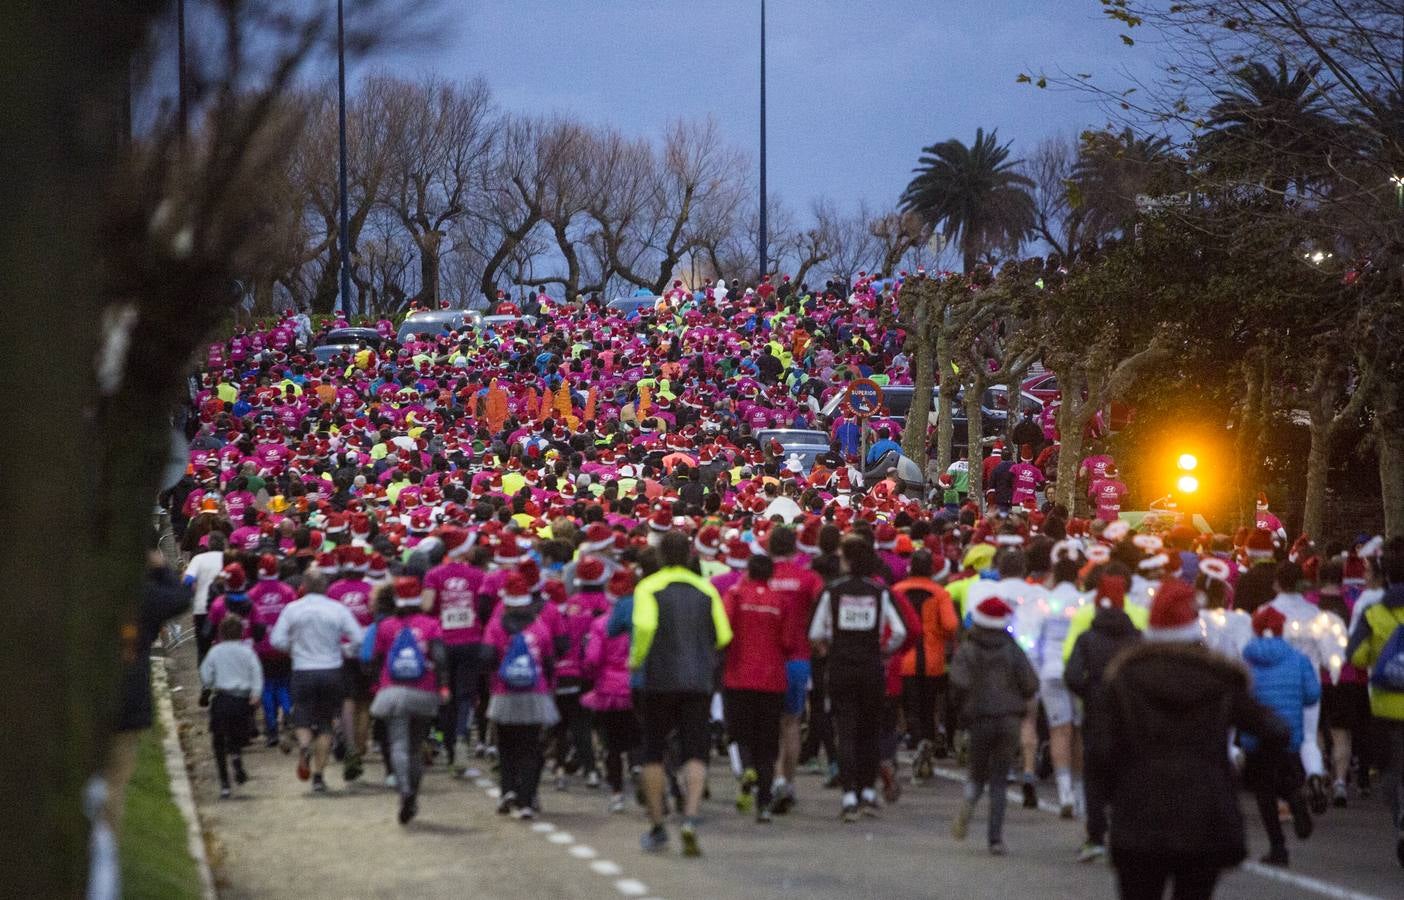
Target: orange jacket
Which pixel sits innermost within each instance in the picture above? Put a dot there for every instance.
(938, 624)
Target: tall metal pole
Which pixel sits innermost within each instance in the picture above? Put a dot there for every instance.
(764, 261)
(344, 226)
(182, 103)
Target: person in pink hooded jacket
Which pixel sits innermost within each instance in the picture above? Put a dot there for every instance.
(606, 662)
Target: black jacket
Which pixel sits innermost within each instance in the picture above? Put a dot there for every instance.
(1163, 750)
(1255, 588)
(163, 598)
(1110, 633)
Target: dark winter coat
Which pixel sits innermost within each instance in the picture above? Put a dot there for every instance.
(1255, 587)
(1163, 749)
(163, 598)
(993, 675)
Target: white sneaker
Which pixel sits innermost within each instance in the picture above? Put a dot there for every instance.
(592, 780)
(616, 803)
(461, 753)
(390, 781)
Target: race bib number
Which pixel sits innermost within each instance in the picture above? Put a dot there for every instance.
(456, 617)
(857, 613)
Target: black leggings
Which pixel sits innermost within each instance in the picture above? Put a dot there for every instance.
(923, 699)
(619, 730)
(820, 735)
(229, 731)
(519, 755)
(753, 722)
(573, 731)
(857, 716)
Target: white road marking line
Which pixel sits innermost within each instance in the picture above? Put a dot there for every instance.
(1303, 882)
(606, 867)
(631, 887)
(543, 828)
(560, 837)
(580, 851)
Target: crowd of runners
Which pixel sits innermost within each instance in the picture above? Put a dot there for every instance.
(555, 546)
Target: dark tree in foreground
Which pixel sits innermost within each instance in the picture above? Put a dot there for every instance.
(118, 260)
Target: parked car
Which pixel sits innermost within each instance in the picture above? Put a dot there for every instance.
(628, 306)
(351, 337)
(803, 442)
(994, 406)
(428, 323)
(498, 321)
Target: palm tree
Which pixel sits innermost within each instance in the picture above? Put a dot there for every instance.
(1112, 170)
(974, 194)
(1270, 127)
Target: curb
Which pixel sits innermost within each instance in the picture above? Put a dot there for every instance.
(181, 791)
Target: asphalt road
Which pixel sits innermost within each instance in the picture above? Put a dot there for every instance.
(276, 839)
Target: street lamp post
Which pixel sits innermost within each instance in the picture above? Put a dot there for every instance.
(344, 223)
(764, 263)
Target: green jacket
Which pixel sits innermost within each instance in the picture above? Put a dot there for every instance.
(1382, 621)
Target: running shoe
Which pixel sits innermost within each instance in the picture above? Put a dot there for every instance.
(891, 789)
(745, 792)
(304, 765)
(271, 741)
(1067, 811)
(592, 779)
(1090, 852)
(319, 784)
(784, 799)
(763, 816)
(688, 833)
(506, 802)
(923, 764)
(1338, 798)
(997, 848)
(525, 813)
(461, 754)
(655, 840)
(961, 826)
(1277, 856)
(352, 768)
(1301, 818)
(1030, 796)
(849, 813)
(409, 808)
(616, 803)
(1317, 796)
(240, 776)
(225, 793)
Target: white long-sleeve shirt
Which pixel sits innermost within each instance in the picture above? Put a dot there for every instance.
(232, 667)
(312, 630)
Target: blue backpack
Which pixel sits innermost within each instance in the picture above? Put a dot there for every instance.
(406, 661)
(1388, 673)
(518, 670)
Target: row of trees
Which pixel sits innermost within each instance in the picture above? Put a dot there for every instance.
(1253, 267)
(451, 197)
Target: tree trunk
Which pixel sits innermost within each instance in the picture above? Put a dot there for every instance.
(1318, 470)
(428, 243)
(947, 385)
(1389, 439)
(923, 357)
(1070, 437)
(1246, 460)
(973, 439)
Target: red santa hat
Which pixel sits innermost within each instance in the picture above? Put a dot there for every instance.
(709, 541)
(598, 536)
(590, 571)
(516, 591)
(992, 612)
(507, 552)
(378, 567)
(268, 567)
(1262, 500)
(1111, 592)
(807, 539)
(620, 584)
(1268, 622)
(886, 536)
(328, 563)
(1174, 613)
(407, 591)
(234, 578)
(1259, 544)
(662, 520)
(738, 553)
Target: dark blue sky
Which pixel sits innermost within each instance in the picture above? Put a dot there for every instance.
(854, 89)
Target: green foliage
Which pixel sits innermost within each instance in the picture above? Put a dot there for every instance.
(155, 864)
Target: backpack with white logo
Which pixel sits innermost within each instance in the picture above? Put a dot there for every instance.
(518, 670)
(406, 662)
